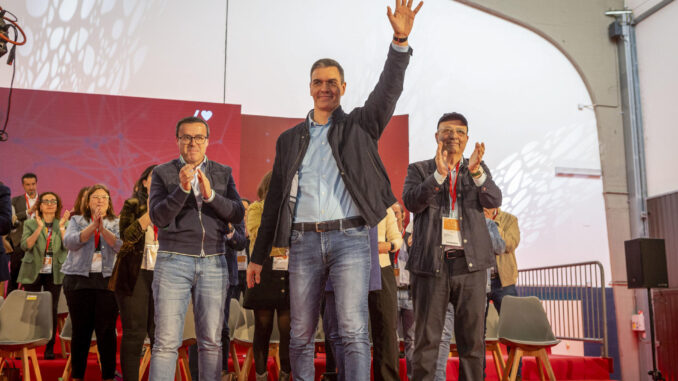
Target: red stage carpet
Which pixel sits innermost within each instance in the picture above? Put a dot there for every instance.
(566, 368)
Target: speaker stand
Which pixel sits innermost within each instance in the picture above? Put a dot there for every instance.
(655, 373)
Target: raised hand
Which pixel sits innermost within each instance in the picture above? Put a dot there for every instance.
(442, 164)
(64, 219)
(185, 176)
(205, 187)
(476, 157)
(403, 17)
(41, 224)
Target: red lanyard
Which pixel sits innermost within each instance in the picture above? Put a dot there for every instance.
(453, 191)
(49, 239)
(96, 239)
(155, 231)
(28, 203)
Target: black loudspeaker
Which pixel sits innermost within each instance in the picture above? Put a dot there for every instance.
(646, 263)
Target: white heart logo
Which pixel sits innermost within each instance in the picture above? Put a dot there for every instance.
(206, 114)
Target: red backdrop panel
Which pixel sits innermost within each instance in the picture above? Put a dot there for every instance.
(259, 134)
(72, 139)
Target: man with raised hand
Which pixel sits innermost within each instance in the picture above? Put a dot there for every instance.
(328, 187)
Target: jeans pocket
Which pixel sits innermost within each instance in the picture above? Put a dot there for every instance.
(359, 231)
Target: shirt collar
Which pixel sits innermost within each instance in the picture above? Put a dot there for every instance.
(313, 123)
(183, 162)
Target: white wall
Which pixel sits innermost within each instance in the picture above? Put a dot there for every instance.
(518, 92)
(657, 64)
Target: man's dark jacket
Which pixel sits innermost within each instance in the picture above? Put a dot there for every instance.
(182, 227)
(430, 201)
(354, 141)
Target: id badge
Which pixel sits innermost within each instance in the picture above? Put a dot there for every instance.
(451, 232)
(150, 254)
(46, 266)
(96, 263)
(281, 263)
(242, 260)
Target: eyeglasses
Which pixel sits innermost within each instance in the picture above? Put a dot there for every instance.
(49, 202)
(198, 139)
(104, 198)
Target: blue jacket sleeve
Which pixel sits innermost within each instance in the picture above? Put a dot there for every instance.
(164, 206)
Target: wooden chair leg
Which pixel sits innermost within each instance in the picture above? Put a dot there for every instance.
(60, 326)
(24, 364)
(547, 364)
(145, 361)
(273, 350)
(234, 357)
(539, 367)
(514, 365)
(246, 365)
(66, 376)
(34, 361)
(507, 369)
(498, 359)
(183, 359)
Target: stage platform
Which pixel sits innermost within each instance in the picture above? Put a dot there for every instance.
(566, 368)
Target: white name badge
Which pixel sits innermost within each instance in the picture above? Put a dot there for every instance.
(451, 232)
(242, 260)
(281, 263)
(150, 254)
(46, 266)
(96, 263)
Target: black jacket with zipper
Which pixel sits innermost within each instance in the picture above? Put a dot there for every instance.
(354, 141)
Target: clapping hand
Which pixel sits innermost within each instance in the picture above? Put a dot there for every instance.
(403, 17)
(476, 157)
(41, 224)
(205, 187)
(186, 176)
(442, 163)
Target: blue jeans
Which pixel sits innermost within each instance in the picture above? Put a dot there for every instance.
(176, 279)
(444, 351)
(331, 329)
(344, 257)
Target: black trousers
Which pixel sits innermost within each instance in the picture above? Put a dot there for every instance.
(93, 310)
(14, 266)
(136, 314)
(46, 282)
(431, 294)
(383, 306)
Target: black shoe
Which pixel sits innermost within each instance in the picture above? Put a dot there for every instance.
(49, 354)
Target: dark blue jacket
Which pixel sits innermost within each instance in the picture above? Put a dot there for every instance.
(354, 139)
(185, 229)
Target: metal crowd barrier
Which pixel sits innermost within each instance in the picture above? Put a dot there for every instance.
(573, 296)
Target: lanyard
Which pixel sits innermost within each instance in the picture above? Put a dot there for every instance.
(155, 231)
(96, 239)
(453, 192)
(28, 203)
(49, 238)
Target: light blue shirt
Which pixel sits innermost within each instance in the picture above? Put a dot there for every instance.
(79, 259)
(322, 194)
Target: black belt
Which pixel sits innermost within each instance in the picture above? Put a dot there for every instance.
(453, 253)
(327, 226)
